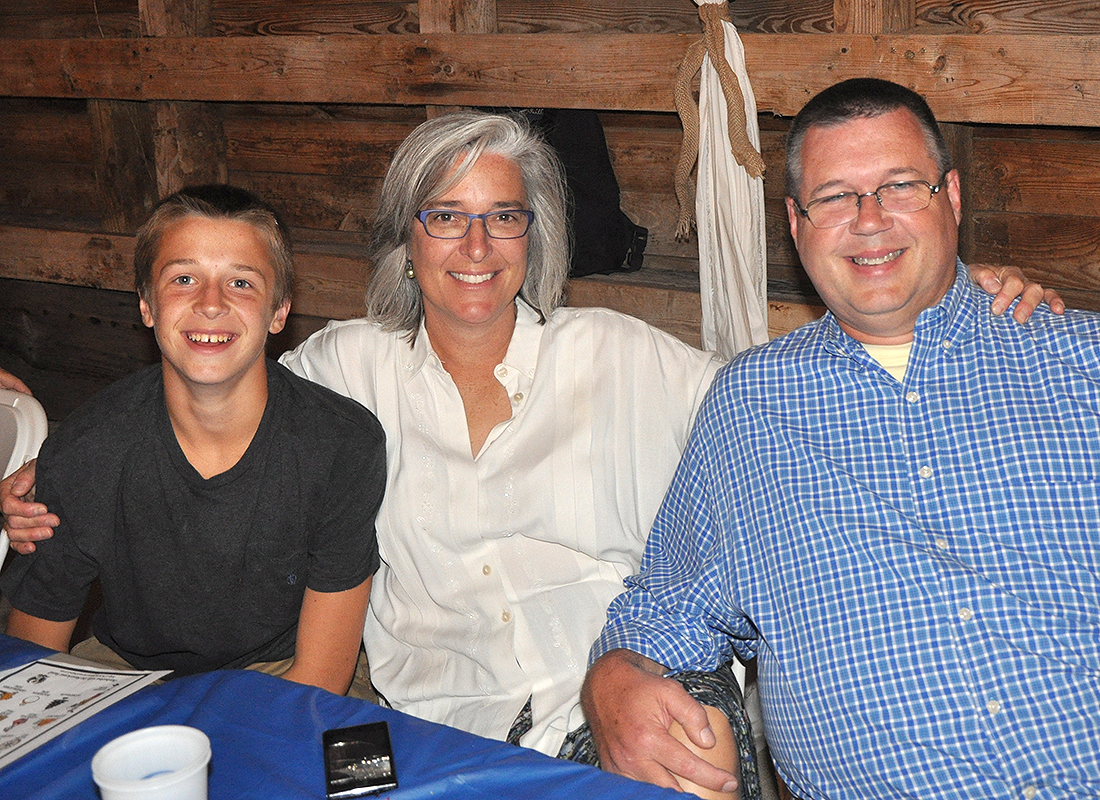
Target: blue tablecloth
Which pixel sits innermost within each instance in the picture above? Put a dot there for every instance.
(265, 734)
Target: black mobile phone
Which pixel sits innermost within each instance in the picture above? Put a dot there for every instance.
(358, 760)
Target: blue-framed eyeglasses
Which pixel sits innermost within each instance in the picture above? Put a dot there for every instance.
(902, 197)
(509, 223)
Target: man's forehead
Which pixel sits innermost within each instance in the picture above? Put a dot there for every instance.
(896, 136)
(900, 118)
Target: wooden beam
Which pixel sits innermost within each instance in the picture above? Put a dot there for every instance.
(1023, 80)
(100, 261)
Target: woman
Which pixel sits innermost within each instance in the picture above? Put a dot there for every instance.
(529, 444)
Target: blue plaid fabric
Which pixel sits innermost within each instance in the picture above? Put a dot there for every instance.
(916, 565)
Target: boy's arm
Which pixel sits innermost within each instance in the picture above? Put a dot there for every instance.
(54, 635)
(330, 628)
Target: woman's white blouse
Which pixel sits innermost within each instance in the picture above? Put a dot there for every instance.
(497, 570)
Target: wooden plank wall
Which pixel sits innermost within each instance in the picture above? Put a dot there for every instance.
(103, 107)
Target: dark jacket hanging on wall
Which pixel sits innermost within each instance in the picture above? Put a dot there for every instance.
(604, 238)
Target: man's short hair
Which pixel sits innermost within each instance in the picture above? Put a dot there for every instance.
(855, 99)
(215, 201)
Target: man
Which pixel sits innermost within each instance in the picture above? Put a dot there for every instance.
(896, 509)
(226, 506)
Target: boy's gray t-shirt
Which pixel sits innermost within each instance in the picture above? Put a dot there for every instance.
(203, 574)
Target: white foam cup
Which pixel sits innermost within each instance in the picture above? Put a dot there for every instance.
(166, 762)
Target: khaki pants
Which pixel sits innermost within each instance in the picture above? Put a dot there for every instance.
(94, 650)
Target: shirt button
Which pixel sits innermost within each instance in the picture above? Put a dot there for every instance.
(912, 397)
(925, 472)
(518, 396)
(1030, 792)
(506, 616)
(946, 344)
(942, 543)
(501, 371)
(993, 706)
(487, 570)
(965, 614)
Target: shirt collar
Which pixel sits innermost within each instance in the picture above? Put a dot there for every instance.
(522, 352)
(950, 322)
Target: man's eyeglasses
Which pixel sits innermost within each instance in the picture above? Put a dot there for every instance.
(835, 210)
(511, 223)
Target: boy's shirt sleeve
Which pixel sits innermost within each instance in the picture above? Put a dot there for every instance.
(344, 544)
(51, 583)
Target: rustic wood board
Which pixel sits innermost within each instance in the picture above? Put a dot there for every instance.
(1028, 79)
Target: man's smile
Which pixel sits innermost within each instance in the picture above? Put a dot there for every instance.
(874, 262)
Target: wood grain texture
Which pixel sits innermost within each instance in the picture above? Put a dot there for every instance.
(44, 134)
(63, 19)
(69, 342)
(313, 146)
(293, 17)
(1031, 80)
(323, 202)
(879, 16)
(458, 16)
(189, 145)
(76, 68)
(1032, 176)
(119, 18)
(125, 166)
(598, 16)
(1010, 16)
(1028, 241)
(53, 194)
(175, 17)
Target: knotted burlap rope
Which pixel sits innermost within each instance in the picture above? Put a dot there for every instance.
(714, 43)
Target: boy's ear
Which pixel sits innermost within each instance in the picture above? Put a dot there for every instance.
(146, 312)
(278, 322)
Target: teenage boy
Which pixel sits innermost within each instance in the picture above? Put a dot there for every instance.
(226, 506)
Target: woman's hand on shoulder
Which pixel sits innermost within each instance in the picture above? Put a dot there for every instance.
(1008, 283)
(25, 521)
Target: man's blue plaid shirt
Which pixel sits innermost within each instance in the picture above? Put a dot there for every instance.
(916, 565)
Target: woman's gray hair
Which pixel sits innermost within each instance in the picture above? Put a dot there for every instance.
(419, 173)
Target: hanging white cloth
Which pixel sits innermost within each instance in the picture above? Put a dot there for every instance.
(729, 207)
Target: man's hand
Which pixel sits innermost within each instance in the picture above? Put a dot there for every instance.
(631, 708)
(1008, 283)
(25, 521)
(9, 381)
